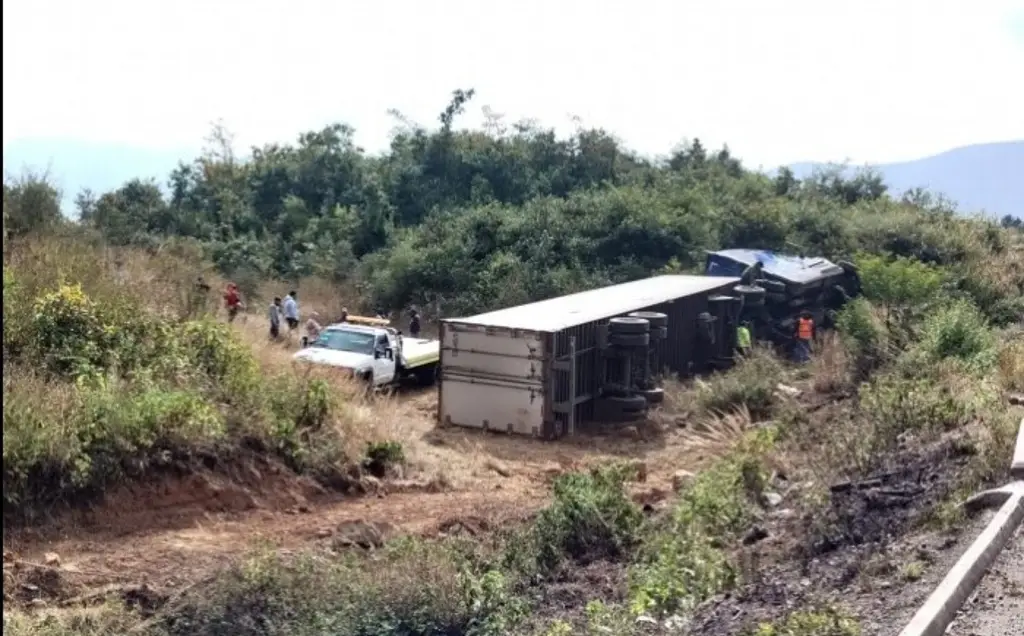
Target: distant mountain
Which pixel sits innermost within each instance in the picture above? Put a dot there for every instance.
(75, 164)
(987, 178)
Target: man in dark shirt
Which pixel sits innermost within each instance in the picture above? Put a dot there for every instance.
(414, 324)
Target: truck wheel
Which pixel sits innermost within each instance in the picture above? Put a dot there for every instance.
(367, 380)
(624, 402)
(653, 396)
(426, 376)
(629, 339)
(752, 295)
(621, 409)
(773, 286)
(654, 318)
(628, 325)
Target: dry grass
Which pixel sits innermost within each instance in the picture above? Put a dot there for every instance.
(830, 365)
(1011, 364)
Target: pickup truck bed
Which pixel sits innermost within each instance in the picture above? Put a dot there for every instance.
(417, 352)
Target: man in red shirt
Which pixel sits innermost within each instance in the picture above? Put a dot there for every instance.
(232, 301)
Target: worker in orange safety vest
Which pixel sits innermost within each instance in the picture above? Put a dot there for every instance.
(804, 336)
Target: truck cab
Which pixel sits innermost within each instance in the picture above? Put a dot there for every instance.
(376, 354)
(786, 286)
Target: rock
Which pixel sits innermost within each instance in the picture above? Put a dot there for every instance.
(362, 534)
(681, 479)
(789, 391)
(785, 513)
(304, 509)
(51, 558)
(323, 533)
(630, 432)
(644, 618)
(675, 623)
(1016, 399)
(499, 468)
(772, 499)
(640, 468)
(757, 533)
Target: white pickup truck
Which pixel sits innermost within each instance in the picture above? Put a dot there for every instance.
(378, 355)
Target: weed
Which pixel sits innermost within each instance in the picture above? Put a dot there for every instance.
(683, 560)
(410, 587)
(751, 385)
(824, 622)
(590, 518)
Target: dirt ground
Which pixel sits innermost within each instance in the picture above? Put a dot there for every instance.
(176, 532)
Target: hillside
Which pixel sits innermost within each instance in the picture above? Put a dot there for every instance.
(170, 473)
(982, 177)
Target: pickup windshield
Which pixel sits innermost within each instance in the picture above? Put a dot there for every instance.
(341, 340)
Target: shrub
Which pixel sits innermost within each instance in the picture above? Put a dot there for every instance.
(825, 622)
(684, 562)
(864, 334)
(750, 384)
(409, 587)
(79, 439)
(382, 456)
(591, 517)
(70, 333)
(960, 332)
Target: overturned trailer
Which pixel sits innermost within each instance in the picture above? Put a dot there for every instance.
(539, 369)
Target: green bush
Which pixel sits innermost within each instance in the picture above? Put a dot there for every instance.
(591, 518)
(826, 622)
(751, 384)
(74, 440)
(959, 332)
(865, 335)
(382, 456)
(684, 560)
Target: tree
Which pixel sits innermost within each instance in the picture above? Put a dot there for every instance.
(31, 203)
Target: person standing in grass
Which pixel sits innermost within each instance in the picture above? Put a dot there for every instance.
(275, 318)
(313, 330)
(743, 342)
(414, 324)
(804, 336)
(291, 312)
(232, 301)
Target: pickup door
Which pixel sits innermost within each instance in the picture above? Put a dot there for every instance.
(383, 365)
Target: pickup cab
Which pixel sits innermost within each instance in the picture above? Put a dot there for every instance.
(378, 355)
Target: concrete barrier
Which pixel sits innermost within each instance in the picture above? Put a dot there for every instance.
(935, 616)
(1017, 467)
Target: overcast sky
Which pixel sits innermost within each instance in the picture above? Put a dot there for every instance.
(779, 81)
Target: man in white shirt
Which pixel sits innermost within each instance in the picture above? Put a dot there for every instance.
(291, 311)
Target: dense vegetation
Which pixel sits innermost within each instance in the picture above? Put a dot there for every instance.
(113, 370)
(459, 221)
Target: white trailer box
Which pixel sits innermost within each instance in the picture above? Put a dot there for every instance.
(514, 370)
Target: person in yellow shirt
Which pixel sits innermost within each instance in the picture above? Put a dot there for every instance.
(743, 342)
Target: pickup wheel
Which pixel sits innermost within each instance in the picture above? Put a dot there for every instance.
(366, 378)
